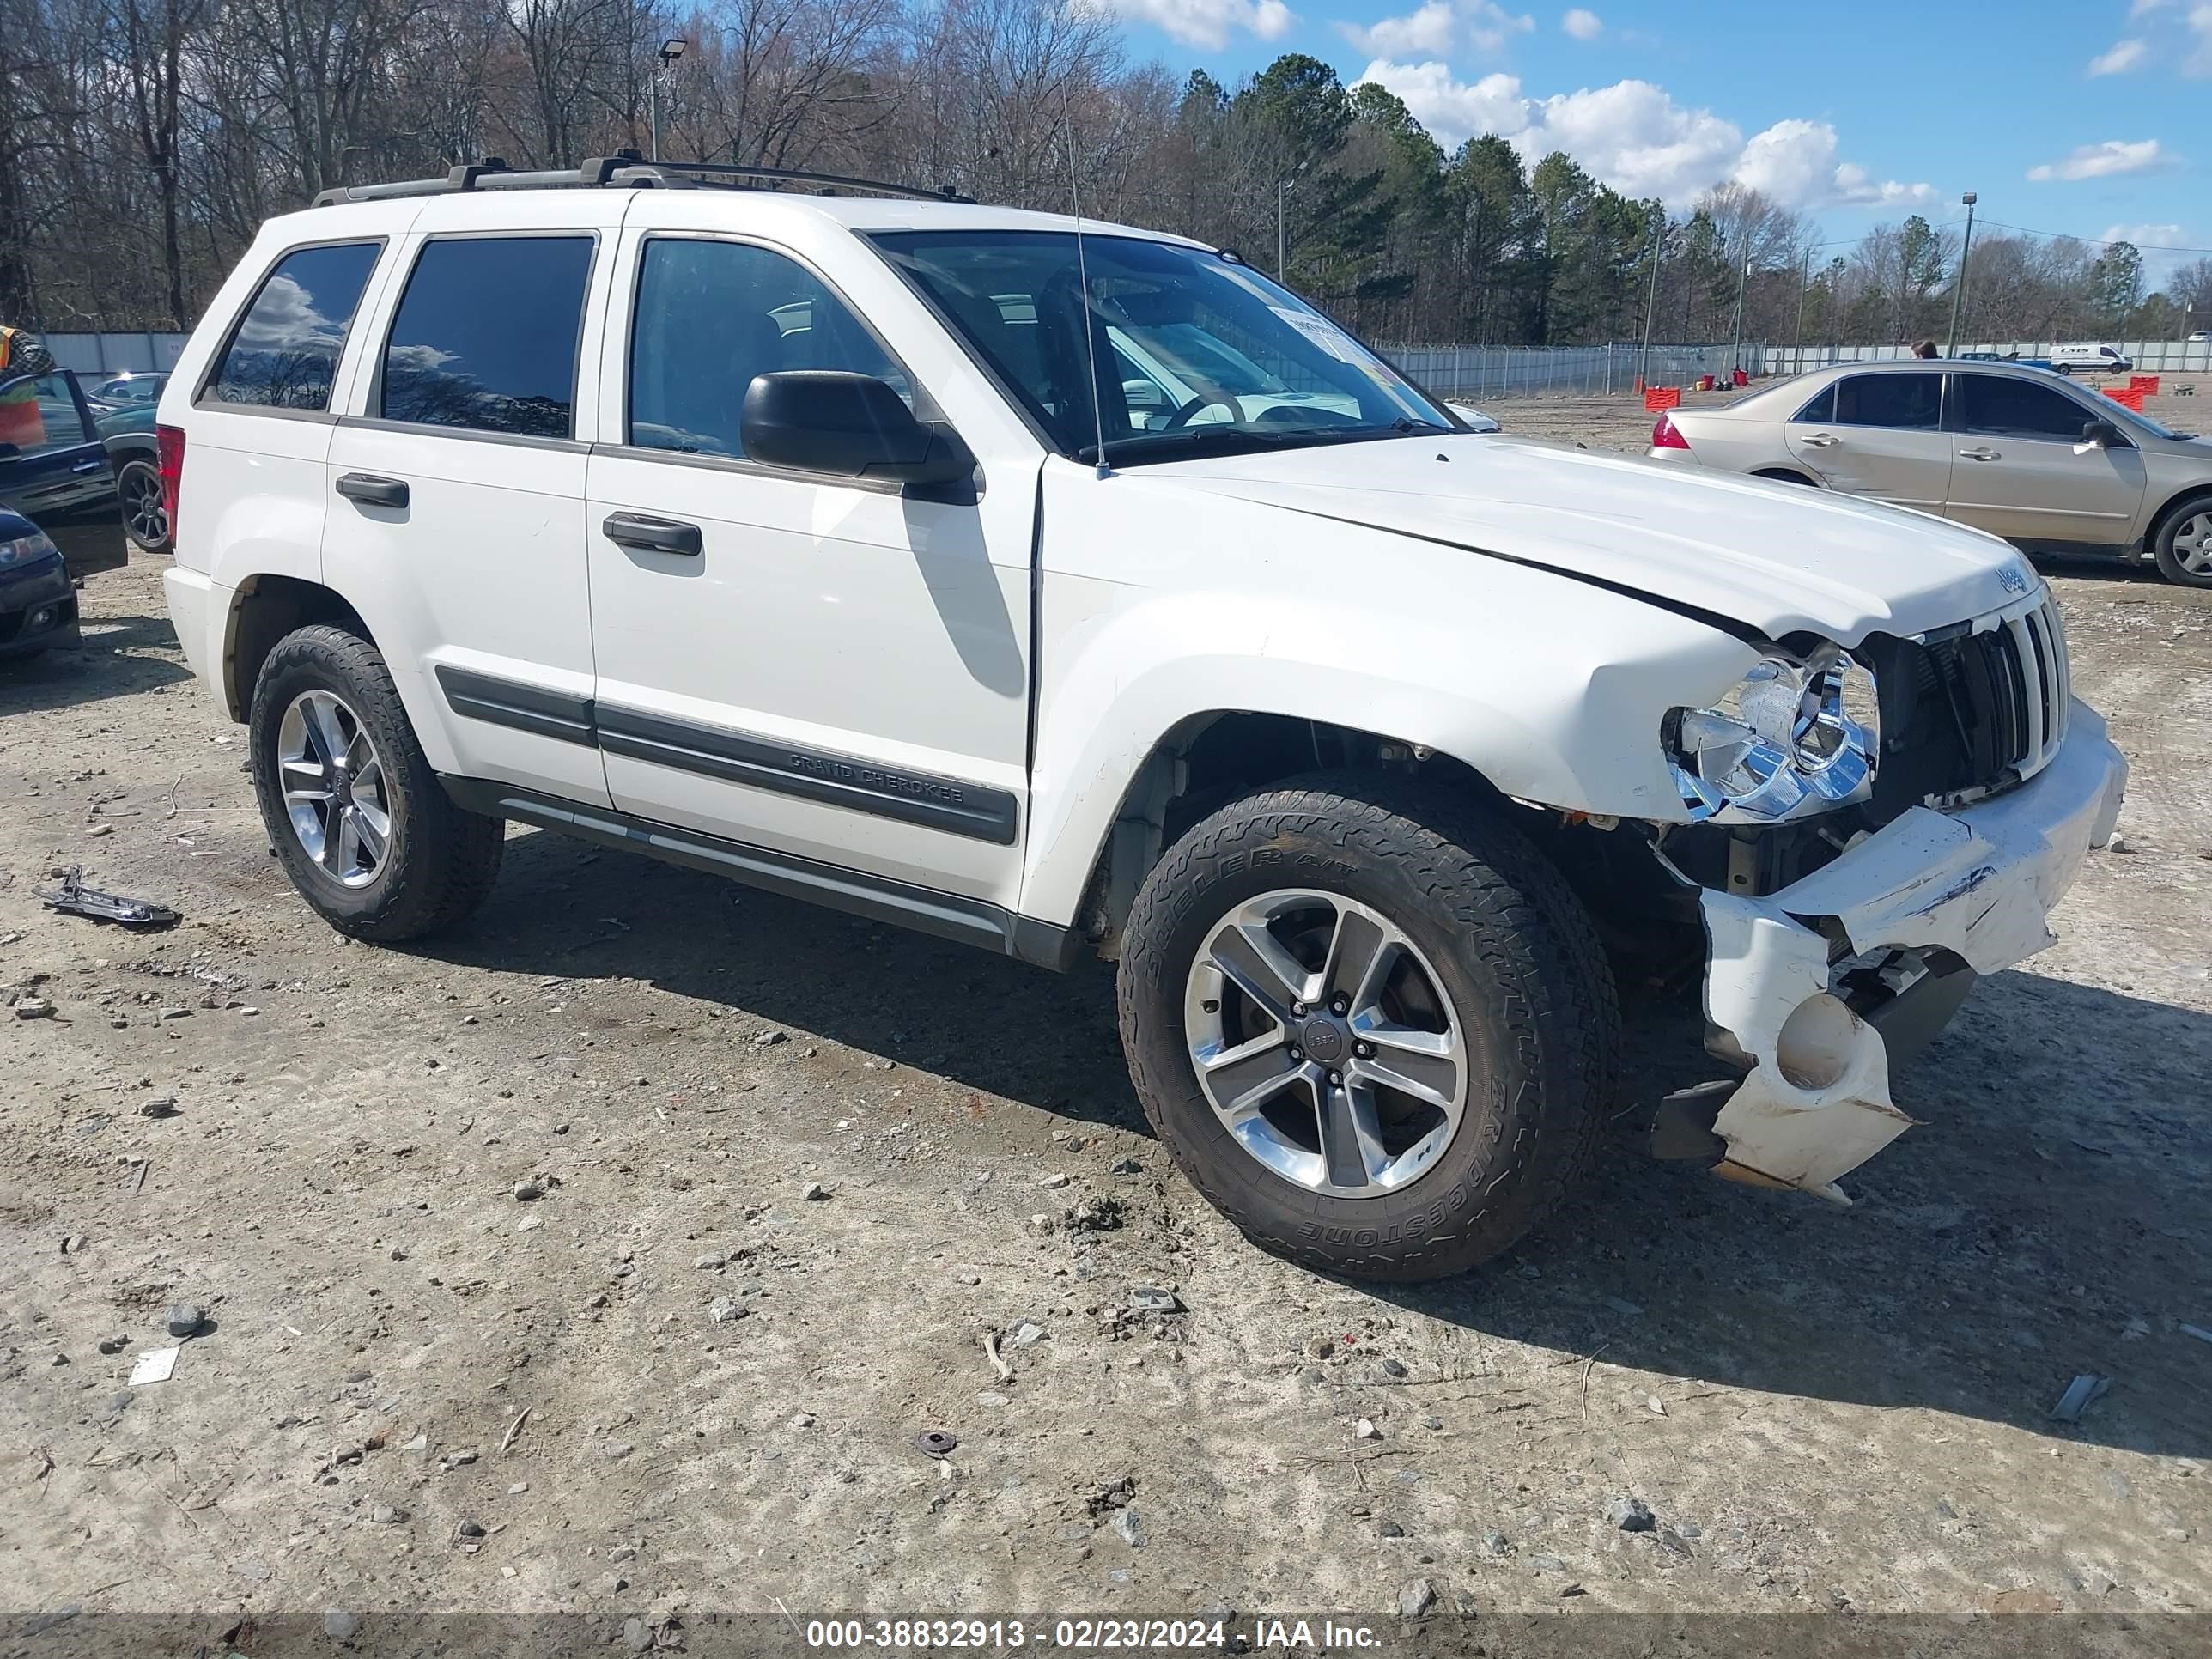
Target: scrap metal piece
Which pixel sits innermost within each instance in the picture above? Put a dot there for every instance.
(2083, 1392)
(936, 1443)
(74, 898)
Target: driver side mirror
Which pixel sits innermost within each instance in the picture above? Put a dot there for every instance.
(847, 426)
(2100, 434)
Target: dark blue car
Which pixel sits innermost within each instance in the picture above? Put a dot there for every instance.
(55, 469)
(38, 601)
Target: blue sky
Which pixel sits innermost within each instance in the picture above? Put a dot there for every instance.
(2064, 116)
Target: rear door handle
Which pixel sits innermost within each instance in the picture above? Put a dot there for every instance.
(653, 535)
(1979, 455)
(1818, 440)
(370, 491)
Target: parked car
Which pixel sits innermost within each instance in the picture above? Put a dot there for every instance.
(1342, 729)
(132, 389)
(2018, 452)
(135, 451)
(55, 470)
(2090, 360)
(38, 601)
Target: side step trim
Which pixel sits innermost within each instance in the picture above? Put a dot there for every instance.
(945, 916)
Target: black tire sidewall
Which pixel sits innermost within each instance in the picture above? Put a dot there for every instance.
(313, 660)
(1518, 1137)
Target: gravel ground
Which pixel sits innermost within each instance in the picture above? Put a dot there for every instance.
(610, 1255)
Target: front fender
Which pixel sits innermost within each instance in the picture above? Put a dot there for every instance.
(1552, 688)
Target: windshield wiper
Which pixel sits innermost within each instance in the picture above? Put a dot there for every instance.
(1224, 439)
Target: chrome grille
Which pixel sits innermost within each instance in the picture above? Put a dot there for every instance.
(2007, 688)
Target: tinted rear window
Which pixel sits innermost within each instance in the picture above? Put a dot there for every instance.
(1912, 401)
(485, 337)
(285, 353)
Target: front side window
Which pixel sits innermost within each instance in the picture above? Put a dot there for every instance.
(2006, 408)
(1910, 401)
(40, 416)
(285, 353)
(1188, 353)
(710, 316)
(486, 334)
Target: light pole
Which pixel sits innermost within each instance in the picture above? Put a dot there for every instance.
(1804, 281)
(1959, 288)
(1651, 300)
(1735, 341)
(664, 59)
(1282, 237)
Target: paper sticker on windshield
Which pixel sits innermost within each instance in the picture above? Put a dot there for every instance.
(1322, 332)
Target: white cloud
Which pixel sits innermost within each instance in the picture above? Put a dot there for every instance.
(1428, 30)
(1207, 23)
(2144, 7)
(2124, 56)
(1634, 137)
(2200, 61)
(1582, 25)
(2105, 161)
(2158, 236)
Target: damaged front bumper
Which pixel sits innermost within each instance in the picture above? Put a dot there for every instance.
(1923, 906)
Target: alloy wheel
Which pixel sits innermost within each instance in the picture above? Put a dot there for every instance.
(144, 509)
(1326, 1043)
(335, 790)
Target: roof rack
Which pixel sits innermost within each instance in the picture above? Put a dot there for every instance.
(627, 170)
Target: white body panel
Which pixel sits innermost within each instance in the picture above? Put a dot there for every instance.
(842, 621)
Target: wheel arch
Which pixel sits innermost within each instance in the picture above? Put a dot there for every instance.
(265, 608)
(2170, 510)
(1790, 474)
(1209, 759)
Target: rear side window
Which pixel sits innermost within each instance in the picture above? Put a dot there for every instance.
(285, 353)
(1912, 401)
(485, 337)
(2006, 408)
(710, 316)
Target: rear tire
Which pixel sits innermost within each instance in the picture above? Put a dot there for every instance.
(2183, 545)
(334, 758)
(1517, 974)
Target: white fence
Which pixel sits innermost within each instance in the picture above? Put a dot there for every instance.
(1491, 372)
(2148, 356)
(113, 353)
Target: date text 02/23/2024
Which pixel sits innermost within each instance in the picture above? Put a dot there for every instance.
(1084, 1635)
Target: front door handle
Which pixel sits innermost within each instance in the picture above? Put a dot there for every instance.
(653, 535)
(93, 465)
(1979, 455)
(369, 491)
(1818, 440)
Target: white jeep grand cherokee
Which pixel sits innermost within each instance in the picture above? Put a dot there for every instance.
(1059, 592)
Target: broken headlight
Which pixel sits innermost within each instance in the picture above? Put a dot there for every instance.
(1793, 737)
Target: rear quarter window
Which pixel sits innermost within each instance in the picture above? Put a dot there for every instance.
(486, 335)
(284, 352)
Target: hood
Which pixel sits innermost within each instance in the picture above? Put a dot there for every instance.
(1780, 558)
(14, 526)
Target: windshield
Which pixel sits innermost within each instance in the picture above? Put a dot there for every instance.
(1194, 353)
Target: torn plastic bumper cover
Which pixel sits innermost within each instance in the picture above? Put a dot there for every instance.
(1814, 1101)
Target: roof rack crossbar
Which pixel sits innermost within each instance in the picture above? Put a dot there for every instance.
(625, 169)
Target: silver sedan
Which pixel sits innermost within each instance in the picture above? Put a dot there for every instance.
(2022, 452)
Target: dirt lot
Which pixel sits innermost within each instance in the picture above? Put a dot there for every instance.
(675, 1384)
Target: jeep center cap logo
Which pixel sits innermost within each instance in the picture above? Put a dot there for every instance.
(1324, 1040)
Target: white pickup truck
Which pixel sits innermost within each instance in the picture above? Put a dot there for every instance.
(832, 542)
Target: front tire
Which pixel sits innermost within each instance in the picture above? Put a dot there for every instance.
(2184, 548)
(363, 828)
(1371, 1024)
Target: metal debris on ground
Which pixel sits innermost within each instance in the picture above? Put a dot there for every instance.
(2081, 1393)
(155, 1365)
(74, 898)
(1150, 1299)
(935, 1443)
(2198, 1331)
